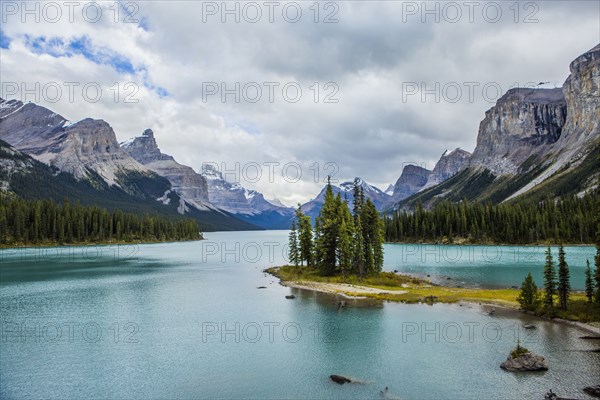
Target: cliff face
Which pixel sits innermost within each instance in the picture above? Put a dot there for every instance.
(523, 123)
(184, 180)
(582, 93)
(412, 179)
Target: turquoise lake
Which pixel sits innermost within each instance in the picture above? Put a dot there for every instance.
(187, 320)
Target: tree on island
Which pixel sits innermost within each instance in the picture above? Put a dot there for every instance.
(305, 241)
(293, 251)
(564, 282)
(529, 298)
(549, 281)
(343, 243)
(589, 283)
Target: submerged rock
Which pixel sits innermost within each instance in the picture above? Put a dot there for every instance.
(593, 391)
(340, 379)
(522, 360)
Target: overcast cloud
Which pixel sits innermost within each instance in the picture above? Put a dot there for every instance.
(370, 57)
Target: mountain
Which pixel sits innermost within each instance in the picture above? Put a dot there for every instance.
(412, 179)
(449, 164)
(346, 189)
(245, 204)
(87, 155)
(184, 180)
(415, 178)
(533, 143)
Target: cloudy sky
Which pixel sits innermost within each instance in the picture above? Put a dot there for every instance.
(354, 88)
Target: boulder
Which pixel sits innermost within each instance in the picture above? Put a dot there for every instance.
(522, 360)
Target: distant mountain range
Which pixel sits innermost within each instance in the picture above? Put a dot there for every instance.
(531, 144)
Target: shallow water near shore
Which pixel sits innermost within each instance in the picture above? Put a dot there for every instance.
(186, 320)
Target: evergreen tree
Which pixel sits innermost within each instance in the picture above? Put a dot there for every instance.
(564, 284)
(328, 221)
(589, 283)
(529, 297)
(305, 236)
(358, 253)
(344, 250)
(293, 245)
(549, 281)
(597, 272)
(372, 228)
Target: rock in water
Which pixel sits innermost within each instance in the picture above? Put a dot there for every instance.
(525, 362)
(340, 379)
(593, 391)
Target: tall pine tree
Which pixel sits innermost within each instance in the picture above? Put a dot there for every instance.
(589, 283)
(564, 280)
(549, 281)
(305, 236)
(328, 222)
(293, 246)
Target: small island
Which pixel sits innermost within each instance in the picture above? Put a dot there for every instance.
(523, 360)
(343, 255)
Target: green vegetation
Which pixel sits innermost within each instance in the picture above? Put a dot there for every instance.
(573, 306)
(569, 220)
(549, 282)
(564, 280)
(343, 243)
(38, 222)
(400, 288)
(589, 283)
(518, 351)
(529, 299)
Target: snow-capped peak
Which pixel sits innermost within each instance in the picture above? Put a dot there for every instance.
(127, 142)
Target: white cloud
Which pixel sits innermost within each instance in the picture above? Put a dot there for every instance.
(369, 54)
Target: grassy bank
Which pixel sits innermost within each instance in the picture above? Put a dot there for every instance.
(407, 289)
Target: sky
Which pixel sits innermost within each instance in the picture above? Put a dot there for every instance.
(278, 95)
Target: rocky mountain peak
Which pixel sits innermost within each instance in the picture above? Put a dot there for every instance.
(148, 133)
(144, 148)
(185, 181)
(412, 179)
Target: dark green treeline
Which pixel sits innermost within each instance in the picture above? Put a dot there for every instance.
(43, 221)
(569, 220)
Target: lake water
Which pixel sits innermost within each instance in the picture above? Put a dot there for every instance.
(186, 320)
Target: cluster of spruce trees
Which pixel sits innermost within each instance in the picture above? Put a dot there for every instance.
(342, 242)
(44, 221)
(530, 299)
(569, 220)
